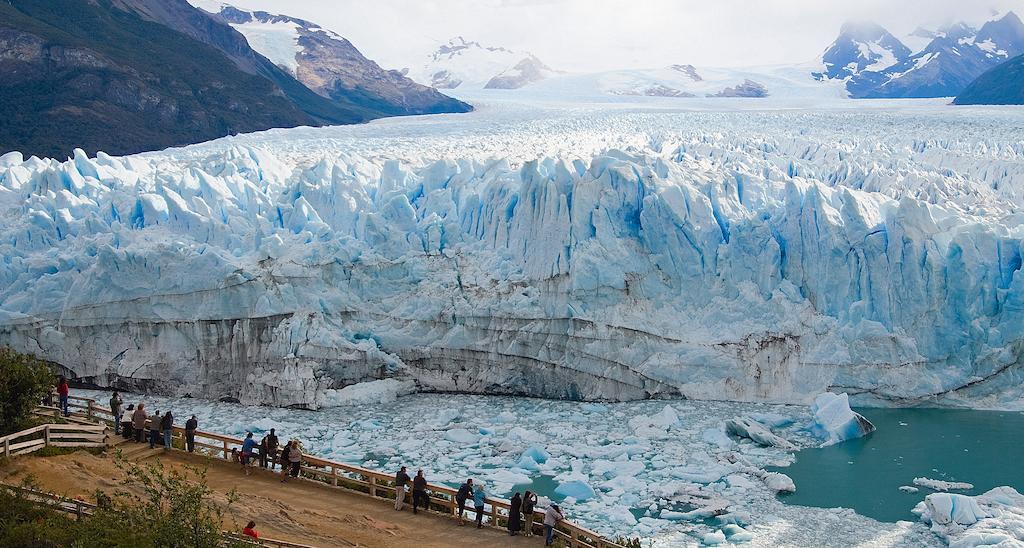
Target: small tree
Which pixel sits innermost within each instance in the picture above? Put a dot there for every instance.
(24, 381)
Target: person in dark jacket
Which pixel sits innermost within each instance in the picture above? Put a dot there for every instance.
(419, 492)
(529, 502)
(263, 452)
(401, 484)
(191, 426)
(284, 460)
(464, 493)
(115, 409)
(167, 426)
(515, 506)
(272, 444)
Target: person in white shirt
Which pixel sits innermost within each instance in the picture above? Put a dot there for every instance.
(552, 516)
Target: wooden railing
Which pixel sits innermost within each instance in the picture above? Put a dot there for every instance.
(53, 435)
(80, 509)
(363, 480)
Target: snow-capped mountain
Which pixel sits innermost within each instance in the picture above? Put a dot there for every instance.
(872, 63)
(329, 64)
(464, 64)
(862, 47)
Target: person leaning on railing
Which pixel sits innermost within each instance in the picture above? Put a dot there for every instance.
(139, 422)
(115, 410)
(191, 426)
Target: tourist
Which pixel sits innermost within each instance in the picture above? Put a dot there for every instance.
(263, 451)
(552, 516)
(284, 460)
(295, 458)
(250, 530)
(63, 391)
(247, 446)
(191, 426)
(478, 504)
(154, 429)
(139, 422)
(126, 422)
(419, 492)
(465, 491)
(529, 501)
(167, 425)
(401, 480)
(515, 506)
(115, 411)
(271, 447)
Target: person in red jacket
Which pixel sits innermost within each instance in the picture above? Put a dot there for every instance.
(63, 390)
(250, 530)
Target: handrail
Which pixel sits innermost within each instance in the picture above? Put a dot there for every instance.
(572, 534)
(53, 435)
(80, 508)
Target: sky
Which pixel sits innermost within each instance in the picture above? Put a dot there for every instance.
(594, 35)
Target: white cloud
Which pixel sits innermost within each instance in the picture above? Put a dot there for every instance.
(605, 34)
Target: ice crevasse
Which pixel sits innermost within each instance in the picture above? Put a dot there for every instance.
(712, 266)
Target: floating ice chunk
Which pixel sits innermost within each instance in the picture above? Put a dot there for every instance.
(575, 488)
(461, 435)
(994, 518)
(366, 393)
(940, 485)
(773, 420)
(835, 422)
(538, 454)
(909, 489)
(779, 482)
(717, 436)
(527, 463)
(748, 428)
(735, 533)
(666, 418)
(505, 417)
(714, 538)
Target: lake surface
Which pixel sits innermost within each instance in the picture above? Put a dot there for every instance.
(978, 447)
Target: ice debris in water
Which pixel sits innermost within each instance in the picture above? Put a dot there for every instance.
(994, 518)
(759, 433)
(942, 485)
(835, 422)
(371, 392)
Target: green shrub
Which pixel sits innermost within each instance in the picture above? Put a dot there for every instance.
(24, 381)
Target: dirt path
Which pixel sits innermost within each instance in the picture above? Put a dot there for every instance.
(297, 511)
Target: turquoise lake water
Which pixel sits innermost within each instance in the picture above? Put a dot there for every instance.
(979, 447)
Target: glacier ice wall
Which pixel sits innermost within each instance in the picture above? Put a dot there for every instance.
(747, 262)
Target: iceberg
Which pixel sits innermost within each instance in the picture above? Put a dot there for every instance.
(835, 422)
(994, 518)
(748, 428)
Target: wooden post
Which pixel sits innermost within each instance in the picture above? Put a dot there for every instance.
(373, 486)
(46, 435)
(88, 410)
(78, 510)
(226, 451)
(7, 448)
(334, 476)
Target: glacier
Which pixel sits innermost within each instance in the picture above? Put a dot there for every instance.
(732, 251)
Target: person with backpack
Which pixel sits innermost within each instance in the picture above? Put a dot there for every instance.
(515, 507)
(167, 425)
(115, 410)
(191, 426)
(465, 491)
(552, 516)
(63, 392)
(478, 504)
(419, 492)
(529, 501)
(401, 481)
(247, 449)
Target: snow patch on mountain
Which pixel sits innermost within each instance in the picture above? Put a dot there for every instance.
(461, 63)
